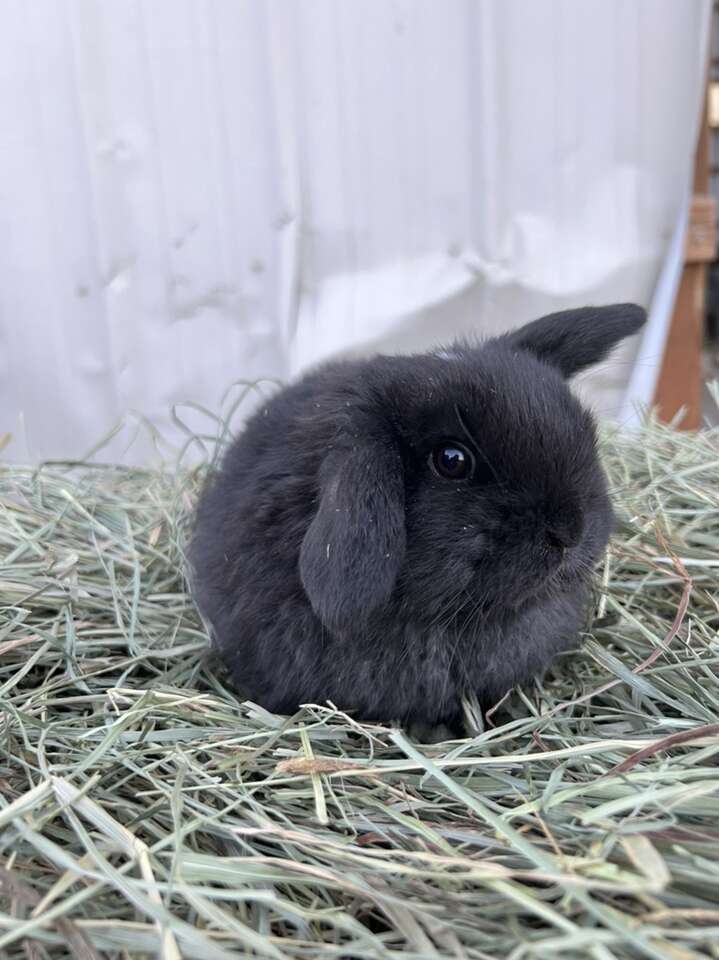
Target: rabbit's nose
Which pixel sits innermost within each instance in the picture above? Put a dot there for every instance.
(566, 531)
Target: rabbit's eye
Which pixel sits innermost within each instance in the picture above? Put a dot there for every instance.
(451, 461)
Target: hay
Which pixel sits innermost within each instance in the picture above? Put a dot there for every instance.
(146, 812)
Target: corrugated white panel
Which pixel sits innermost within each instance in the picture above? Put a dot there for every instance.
(196, 191)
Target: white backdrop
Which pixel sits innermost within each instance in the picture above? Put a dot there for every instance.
(196, 191)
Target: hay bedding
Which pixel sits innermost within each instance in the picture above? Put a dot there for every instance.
(146, 812)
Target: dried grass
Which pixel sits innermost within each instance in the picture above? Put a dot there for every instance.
(146, 812)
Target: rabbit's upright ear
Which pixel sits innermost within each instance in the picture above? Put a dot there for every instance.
(354, 547)
(575, 339)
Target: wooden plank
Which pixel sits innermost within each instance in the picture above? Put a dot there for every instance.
(680, 384)
(700, 245)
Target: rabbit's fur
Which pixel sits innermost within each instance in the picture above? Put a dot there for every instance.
(333, 562)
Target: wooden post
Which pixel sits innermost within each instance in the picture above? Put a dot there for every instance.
(680, 383)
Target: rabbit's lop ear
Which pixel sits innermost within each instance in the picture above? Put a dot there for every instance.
(575, 339)
(354, 547)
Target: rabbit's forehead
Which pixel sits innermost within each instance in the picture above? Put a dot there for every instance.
(503, 427)
(536, 450)
(514, 395)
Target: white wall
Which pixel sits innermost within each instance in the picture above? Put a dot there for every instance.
(196, 191)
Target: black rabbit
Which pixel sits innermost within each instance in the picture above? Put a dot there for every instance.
(391, 534)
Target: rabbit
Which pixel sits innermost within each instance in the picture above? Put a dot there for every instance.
(394, 534)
